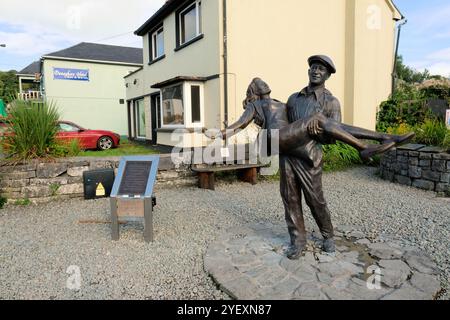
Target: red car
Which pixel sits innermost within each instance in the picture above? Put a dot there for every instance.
(89, 139)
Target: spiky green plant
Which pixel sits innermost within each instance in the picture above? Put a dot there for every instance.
(432, 132)
(339, 156)
(32, 130)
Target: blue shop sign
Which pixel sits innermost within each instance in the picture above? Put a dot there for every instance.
(70, 74)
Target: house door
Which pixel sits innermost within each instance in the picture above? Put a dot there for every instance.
(156, 116)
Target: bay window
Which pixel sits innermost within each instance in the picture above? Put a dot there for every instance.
(182, 105)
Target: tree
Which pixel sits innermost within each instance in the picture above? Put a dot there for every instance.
(9, 85)
(410, 75)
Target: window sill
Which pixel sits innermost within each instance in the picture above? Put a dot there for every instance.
(188, 130)
(184, 45)
(156, 60)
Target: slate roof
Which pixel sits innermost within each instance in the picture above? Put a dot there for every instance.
(101, 52)
(31, 69)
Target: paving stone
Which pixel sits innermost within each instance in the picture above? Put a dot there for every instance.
(364, 241)
(244, 259)
(383, 251)
(336, 294)
(333, 269)
(241, 289)
(288, 285)
(394, 272)
(406, 292)
(426, 283)
(359, 289)
(351, 256)
(420, 262)
(356, 234)
(309, 291)
(325, 258)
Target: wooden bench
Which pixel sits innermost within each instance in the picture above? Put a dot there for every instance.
(246, 172)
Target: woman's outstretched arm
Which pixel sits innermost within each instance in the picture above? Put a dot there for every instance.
(247, 117)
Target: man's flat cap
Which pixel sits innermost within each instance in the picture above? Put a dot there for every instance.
(324, 60)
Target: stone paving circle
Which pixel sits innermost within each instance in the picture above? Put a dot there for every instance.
(249, 263)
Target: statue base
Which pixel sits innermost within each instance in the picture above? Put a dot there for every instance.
(249, 263)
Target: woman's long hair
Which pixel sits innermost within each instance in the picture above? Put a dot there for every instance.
(251, 95)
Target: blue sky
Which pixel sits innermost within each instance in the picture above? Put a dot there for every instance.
(425, 39)
(50, 25)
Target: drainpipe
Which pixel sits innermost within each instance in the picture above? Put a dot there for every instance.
(394, 72)
(225, 62)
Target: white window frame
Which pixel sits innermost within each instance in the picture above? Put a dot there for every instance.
(188, 124)
(154, 43)
(198, 23)
(137, 118)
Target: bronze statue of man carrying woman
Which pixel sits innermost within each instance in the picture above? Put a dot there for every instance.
(300, 139)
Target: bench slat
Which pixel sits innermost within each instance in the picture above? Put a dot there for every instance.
(228, 168)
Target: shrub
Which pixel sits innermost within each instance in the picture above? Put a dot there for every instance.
(432, 132)
(70, 148)
(340, 156)
(446, 142)
(3, 201)
(32, 131)
(407, 105)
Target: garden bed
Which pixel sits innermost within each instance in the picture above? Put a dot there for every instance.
(419, 166)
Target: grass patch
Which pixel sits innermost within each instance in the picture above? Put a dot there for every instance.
(54, 187)
(22, 202)
(126, 148)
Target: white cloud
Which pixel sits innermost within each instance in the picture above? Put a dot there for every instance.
(48, 25)
(443, 55)
(437, 62)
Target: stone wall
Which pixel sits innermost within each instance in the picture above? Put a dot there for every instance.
(63, 178)
(419, 166)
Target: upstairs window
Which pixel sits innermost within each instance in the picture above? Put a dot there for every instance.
(190, 22)
(157, 44)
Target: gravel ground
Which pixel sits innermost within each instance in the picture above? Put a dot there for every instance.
(39, 243)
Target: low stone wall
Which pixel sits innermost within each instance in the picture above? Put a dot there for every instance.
(63, 178)
(419, 166)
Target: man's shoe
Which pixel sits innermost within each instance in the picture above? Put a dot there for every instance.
(328, 246)
(374, 149)
(295, 251)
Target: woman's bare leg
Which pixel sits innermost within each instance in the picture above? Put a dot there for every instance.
(336, 130)
(361, 133)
